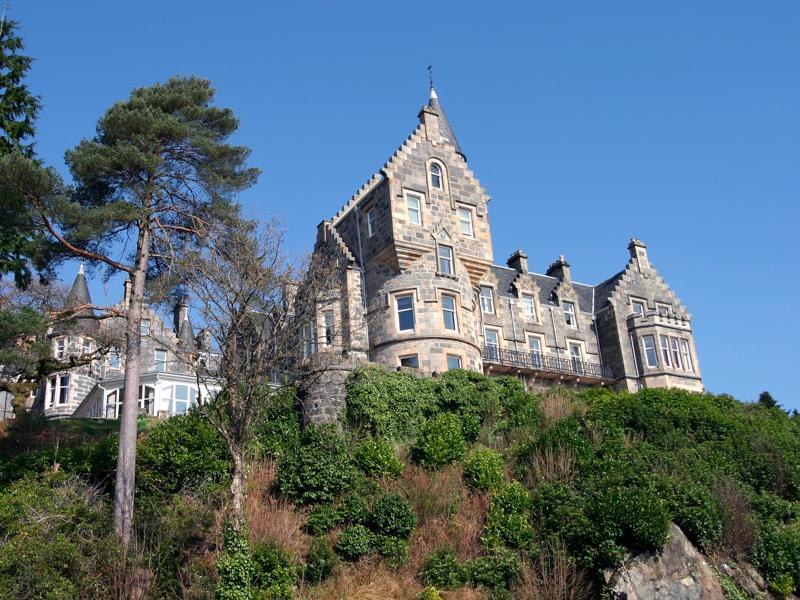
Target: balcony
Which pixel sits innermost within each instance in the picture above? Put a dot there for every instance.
(546, 367)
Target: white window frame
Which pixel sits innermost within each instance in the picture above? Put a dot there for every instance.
(410, 210)
(409, 358)
(398, 310)
(61, 348)
(114, 359)
(433, 177)
(570, 316)
(62, 395)
(328, 321)
(112, 400)
(641, 303)
(52, 390)
(538, 352)
(449, 259)
(647, 350)
(465, 219)
(371, 216)
(144, 327)
(579, 361)
(676, 353)
(496, 334)
(452, 311)
(454, 357)
(528, 306)
(688, 363)
(487, 301)
(160, 365)
(308, 334)
(663, 341)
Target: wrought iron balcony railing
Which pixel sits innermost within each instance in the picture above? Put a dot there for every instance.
(540, 362)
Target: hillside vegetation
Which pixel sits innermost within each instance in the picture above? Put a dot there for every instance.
(456, 487)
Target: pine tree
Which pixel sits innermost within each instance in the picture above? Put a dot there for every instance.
(148, 188)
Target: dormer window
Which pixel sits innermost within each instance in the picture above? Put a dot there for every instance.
(528, 307)
(569, 314)
(436, 177)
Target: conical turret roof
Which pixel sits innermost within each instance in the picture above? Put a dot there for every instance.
(445, 129)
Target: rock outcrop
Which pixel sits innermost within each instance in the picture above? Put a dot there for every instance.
(677, 572)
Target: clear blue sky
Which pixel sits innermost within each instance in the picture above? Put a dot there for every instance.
(587, 122)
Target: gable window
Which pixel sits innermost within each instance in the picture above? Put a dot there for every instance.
(638, 308)
(144, 327)
(650, 351)
(327, 317)
(528, 307)
(569, 314)
(492, 344)
(449, 312)
(371, 222)
(405, 312)
(676, 353)
(688, 365)
(535, 347)
(436, 176)
(161, 361)
(665, 351)
(465, 221)
(411, 361)
(453, 362)
(487, 300)
(414, 208)
(445, 260)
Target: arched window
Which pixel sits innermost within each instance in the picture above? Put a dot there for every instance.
(436, 176)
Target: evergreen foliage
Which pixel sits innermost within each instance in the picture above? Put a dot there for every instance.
(440, 441)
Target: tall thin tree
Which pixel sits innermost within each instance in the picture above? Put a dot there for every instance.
(149, 185)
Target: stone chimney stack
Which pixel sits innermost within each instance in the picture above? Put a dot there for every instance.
(560, 270)
(518, 261)
(127, 292)
(639, 254)
(181, 313)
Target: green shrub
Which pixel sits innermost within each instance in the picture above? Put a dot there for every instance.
(376, 458)
(443, 570)
(509, 519)
(319, 469)
(633, 517)
(182, 452)
(353, 509)
(320, 561)
(322, 518)
(353, 542)
(777, 556)
(695, 511)
(276, 427)
(430, 593)
(392, 516)
(440, 442)
(234, 567)
(274, 573)
(393, 549)
(483, 469)
(388, 404)
(496, 570)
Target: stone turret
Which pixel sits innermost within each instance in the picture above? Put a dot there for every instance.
(79, 297)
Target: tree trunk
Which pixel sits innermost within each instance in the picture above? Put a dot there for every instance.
(126, 457)
(238, 489)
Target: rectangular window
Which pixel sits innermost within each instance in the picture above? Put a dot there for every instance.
(371, 222)
(146, 395)
(487, 300)
(414, 207)
(665, 351)
(181, 399)
(650, 351)
(449, 312)
(688, 364)
(492, 344)
(664, 310)
(113, 358)
(327, 317)
(569, 314)
(60, 348)
(528, 307)
(676, 353)
(112, 405)
(453, 362)
(576, 354)
(638, 308)
(53, 390)
(405, 312)
(411, 361)
(309, 341)
(86, 346)
(445, 260)
(144, 327)
(63, 389)
(161, 361)
(535, 347)
(465, 221)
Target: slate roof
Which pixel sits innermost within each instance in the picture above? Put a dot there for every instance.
(444, 124)
(505, 276)
(78, 296)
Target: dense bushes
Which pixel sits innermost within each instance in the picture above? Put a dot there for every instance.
(483, 469)
(355, 541)
(777, 555)
(440, 442)
(392, 516)
(376, 458)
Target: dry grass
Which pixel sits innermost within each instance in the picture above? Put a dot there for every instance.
(367, 579)
(465, 593)
(553, 576)
(551, 465)
(433, 494)
(558, 405)
(738, 524)
(273, 518)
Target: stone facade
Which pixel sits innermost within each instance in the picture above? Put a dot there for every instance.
(416, 246)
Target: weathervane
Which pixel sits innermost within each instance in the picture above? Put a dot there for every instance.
(430, 74)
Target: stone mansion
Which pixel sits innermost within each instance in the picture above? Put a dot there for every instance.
(421, 289)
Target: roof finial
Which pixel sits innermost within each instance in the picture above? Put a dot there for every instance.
(80, 269)
(430, 80)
